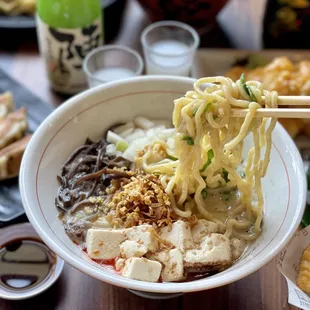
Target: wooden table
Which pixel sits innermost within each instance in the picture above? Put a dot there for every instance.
(265, 289)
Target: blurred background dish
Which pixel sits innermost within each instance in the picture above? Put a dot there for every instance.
(286, 71)
(200, 14)
(17, 22)
(113, 9)
(284, 76)
(286, 24)
(17, 7)
(10, 202)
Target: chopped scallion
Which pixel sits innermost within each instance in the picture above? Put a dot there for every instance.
(247, 89)
(208, 162)
(172, 158)
(189, 140)
(121, 146)
(204, 193)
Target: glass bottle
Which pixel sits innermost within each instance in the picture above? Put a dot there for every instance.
(67, 31)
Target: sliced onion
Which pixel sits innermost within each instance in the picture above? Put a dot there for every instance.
(112, 137)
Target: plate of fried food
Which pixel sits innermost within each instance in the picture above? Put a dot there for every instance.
(17, 13)
(21, 113)
(13, 136)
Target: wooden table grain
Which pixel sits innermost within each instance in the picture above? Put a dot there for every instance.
(264, 289)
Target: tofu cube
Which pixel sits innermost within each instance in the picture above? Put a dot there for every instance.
(143, 234)
(237, 247)
(203, 228)
(130, 248)
(119, 263)
(104, 243)
(180, 235)
(214, 254)
(173, 269)
(142, 269)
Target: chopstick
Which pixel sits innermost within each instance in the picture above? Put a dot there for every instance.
(293, 100)
(277, 113)
(281, 112)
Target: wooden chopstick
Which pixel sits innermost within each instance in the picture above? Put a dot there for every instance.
(277, 113)
(281, 112)
(293, 100)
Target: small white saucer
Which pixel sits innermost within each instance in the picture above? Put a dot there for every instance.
(17, 232)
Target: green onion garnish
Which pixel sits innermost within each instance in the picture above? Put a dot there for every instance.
(208, 162)
(189, 140)
(247, 89)
(172, 158)
(121, 146)
(204, 193)
(208, 106)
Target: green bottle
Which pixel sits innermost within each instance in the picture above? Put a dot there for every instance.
(67, 31)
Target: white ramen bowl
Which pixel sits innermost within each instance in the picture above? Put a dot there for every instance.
(89, 114)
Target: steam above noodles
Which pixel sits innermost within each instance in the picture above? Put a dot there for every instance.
(208, 145)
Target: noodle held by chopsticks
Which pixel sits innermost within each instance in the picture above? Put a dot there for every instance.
(208, 146)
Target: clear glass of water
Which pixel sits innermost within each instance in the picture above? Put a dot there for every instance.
(111, 62)
(169, 48)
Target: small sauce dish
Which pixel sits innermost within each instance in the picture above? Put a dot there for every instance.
(27, 266)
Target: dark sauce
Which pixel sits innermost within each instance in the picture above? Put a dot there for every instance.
(25, 263)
